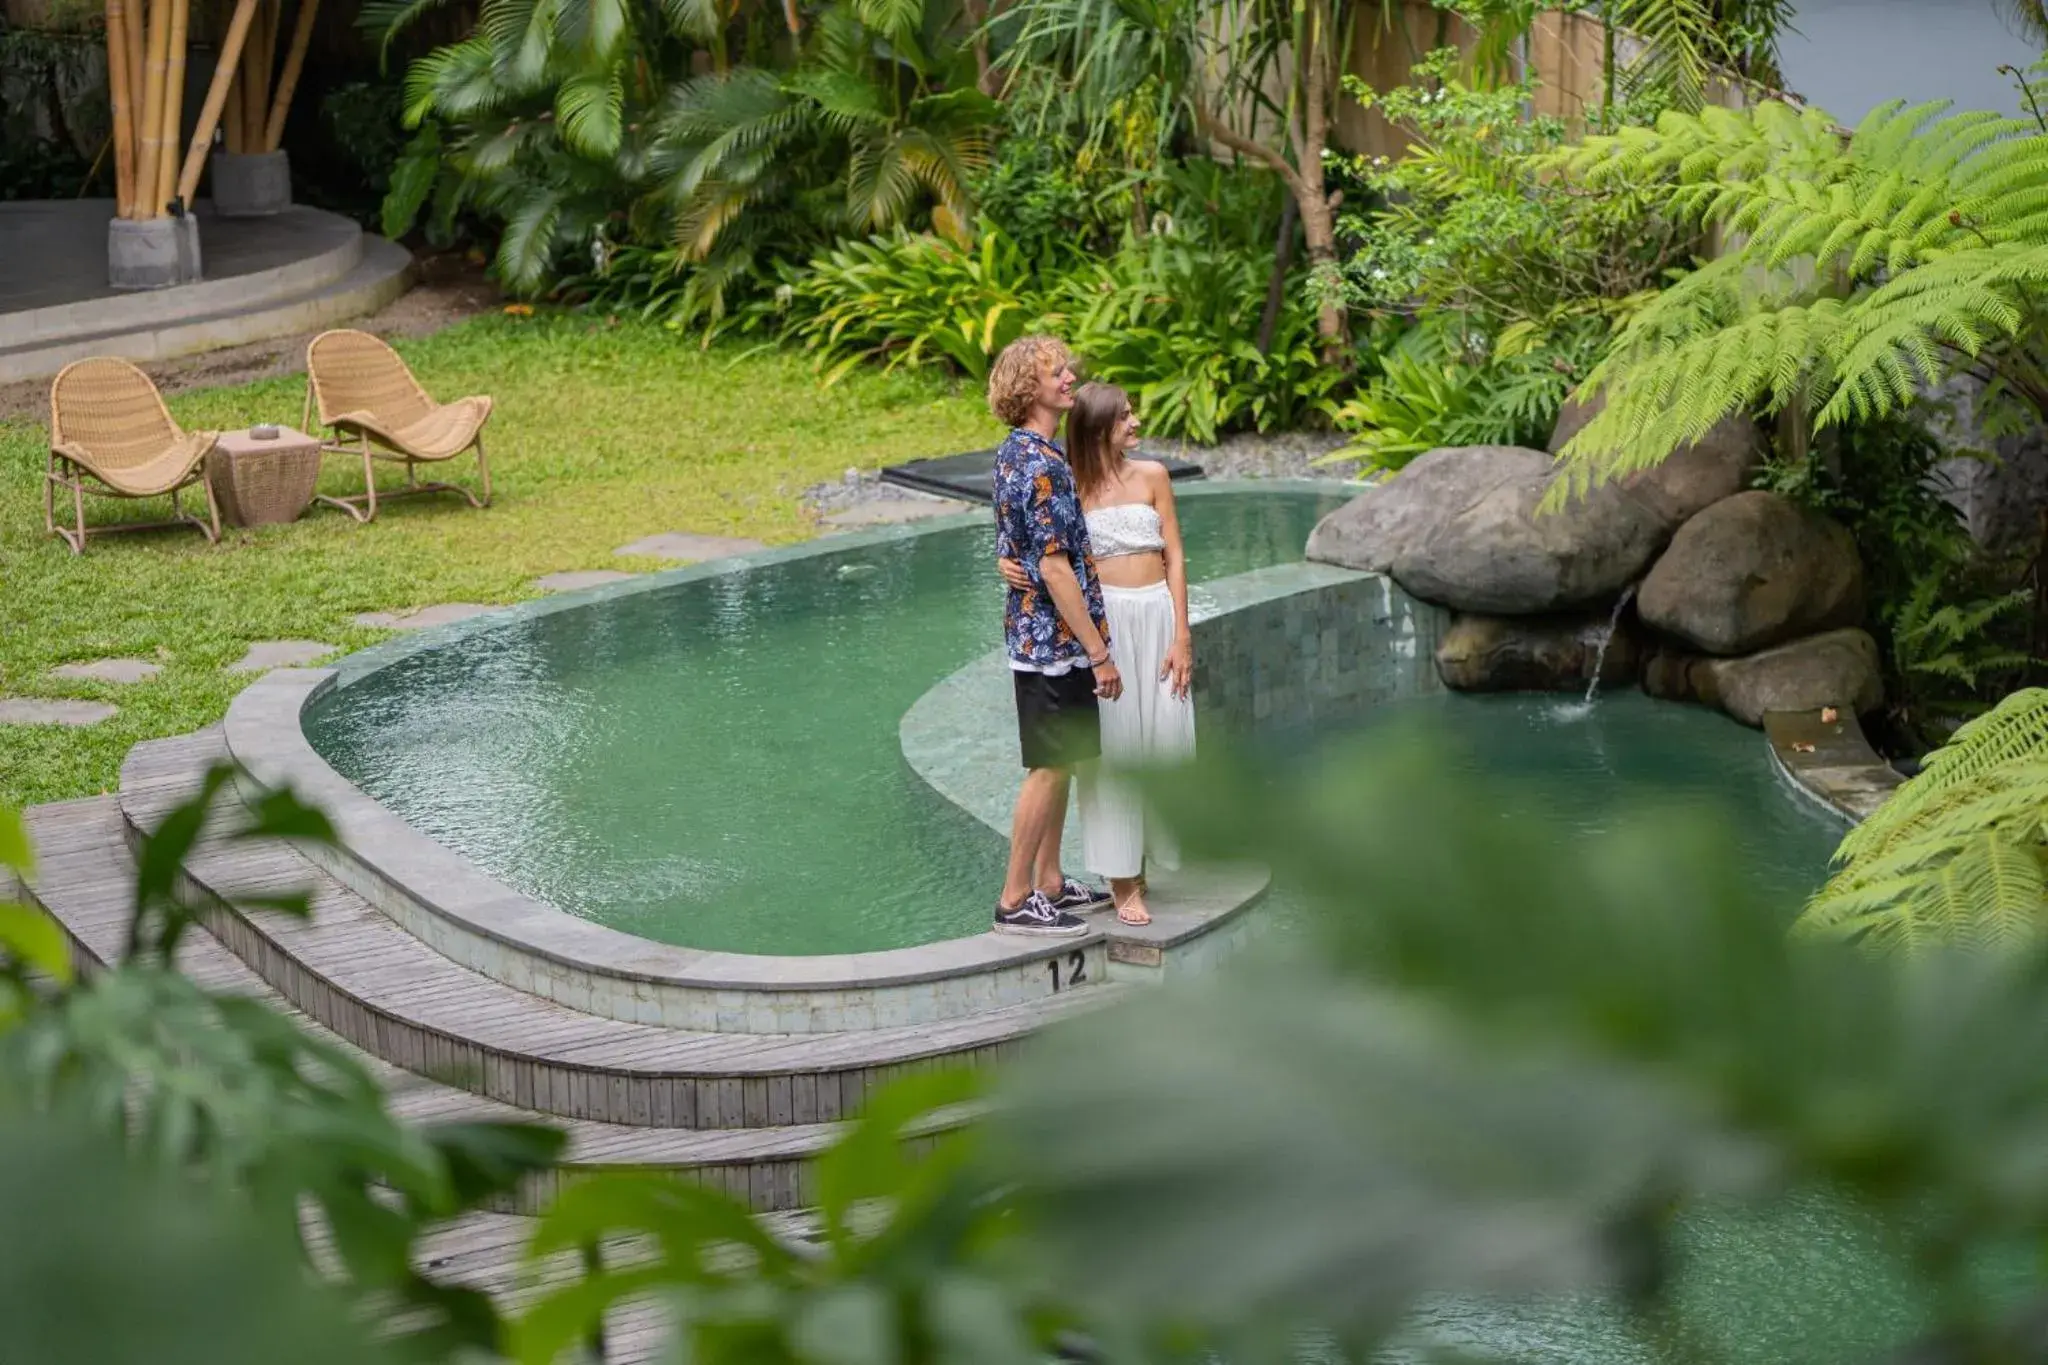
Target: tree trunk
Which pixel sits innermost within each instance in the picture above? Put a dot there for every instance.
(1315, 71)
(1276, 287)
(1318, 214)
(986, 78)
(1319, 231)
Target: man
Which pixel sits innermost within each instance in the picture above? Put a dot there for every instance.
(1055, 632)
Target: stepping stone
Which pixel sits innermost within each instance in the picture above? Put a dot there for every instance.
(575, 580)
(50, 711)
(110, 670)
(892, 512)
(422, 617)
(688, 548)
(265, 655)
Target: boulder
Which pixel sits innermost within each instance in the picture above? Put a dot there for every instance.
(1751, 571)
(1459, 526)
(1674, 675)
(1693, 478)
(1839, 668)
(1533, 654)
(1374, 529)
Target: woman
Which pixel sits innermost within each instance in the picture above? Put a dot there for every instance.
(1135, 534)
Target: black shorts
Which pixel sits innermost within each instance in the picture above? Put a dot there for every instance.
(1056, 717)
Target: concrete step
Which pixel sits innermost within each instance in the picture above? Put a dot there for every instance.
(379, 273)
(311, 250)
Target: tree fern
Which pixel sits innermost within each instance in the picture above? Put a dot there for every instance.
(1957, 854)
(1858, 271)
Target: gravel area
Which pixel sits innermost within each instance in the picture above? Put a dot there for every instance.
(1263, 455)
(1275, 455)
(857, 488)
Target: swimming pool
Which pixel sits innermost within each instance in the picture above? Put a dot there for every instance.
(715, 763)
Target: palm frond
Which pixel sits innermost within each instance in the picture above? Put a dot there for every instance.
(698, 20)
(388, 21)
(456, 81)
(590, 109)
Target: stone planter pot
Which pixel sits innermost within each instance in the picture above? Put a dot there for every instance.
(153, 253)
(251, 184)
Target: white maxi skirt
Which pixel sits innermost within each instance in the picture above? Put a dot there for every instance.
(1147, 726)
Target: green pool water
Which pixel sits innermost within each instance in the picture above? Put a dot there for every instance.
(1580, 765)
(715, 763)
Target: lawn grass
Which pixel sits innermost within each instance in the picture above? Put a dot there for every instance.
(601, 435)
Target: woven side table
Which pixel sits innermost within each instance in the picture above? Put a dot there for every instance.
(263, 482)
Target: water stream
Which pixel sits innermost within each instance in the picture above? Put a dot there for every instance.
(1613, 624)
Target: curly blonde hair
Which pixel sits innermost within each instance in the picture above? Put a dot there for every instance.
(1013, 379)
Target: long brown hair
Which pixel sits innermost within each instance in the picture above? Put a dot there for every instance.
(1090, 426)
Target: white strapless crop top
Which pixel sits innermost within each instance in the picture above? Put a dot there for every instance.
(1129, 528)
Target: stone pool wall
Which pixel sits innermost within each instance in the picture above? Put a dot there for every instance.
(1304, 644)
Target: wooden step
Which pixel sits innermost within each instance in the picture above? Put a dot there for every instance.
(367, 979)
(86, 877)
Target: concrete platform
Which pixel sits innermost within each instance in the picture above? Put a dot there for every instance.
(265, 277)
(971, 477)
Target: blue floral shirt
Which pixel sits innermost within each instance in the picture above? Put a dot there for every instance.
(1038, 513)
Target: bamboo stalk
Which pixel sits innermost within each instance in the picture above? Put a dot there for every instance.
(231, 115)
(132, 51)
(174, 101)
(245, 87)
(288, 83)
(147, 205)
(216, 96)
(119, 101)
(266, 72)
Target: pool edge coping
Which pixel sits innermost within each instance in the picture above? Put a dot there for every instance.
(1830, 762)
(265, 733)
(265, 736)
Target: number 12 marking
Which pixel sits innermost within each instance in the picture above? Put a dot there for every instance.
(1077, 970)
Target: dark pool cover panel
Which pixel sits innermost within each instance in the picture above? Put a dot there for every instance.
(971, 477)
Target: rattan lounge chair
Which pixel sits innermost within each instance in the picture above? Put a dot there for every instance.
(111, 436)
(372, 407)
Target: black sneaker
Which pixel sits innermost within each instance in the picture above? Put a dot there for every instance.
(1036, 915)
(1078, 896)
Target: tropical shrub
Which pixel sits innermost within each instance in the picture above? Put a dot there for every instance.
(918, 1261)
(223, 1098)
(910, 299)
(1960, 853)
(1176, 323)
(1856, 272)
(1431, 391)
(1520, 275)
(1468, 227)
(1950, 627)
(579, 127)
